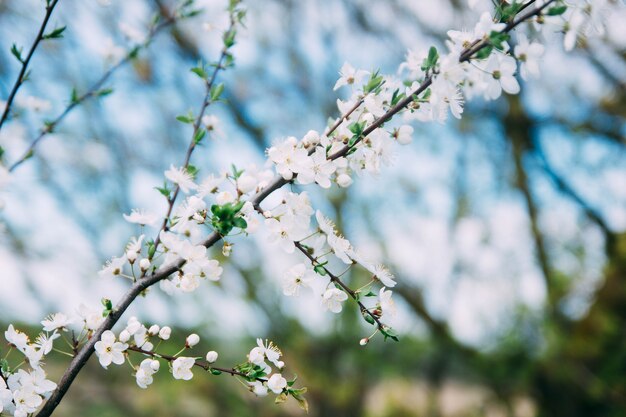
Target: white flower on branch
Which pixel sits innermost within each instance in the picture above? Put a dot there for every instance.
(113, 267)
(181, 368)
(16, 338)
(142, 217)
(182, 178)
(289, 158)
(109, 351)
(528, 54)
(91, 318)
(319, 171)
(276, 383)
(387, 305)
(333, 299)
(6, 396)
(296, 277)
(147, 368)
(500, 69)
(349, 76)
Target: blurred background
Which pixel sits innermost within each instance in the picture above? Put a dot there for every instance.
(506, 230)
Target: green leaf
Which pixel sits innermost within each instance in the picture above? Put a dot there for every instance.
(369, 318)
(281, 398)
(17, 53)
(557, 10)
(216, 371)
(240, 223)
(375, 81)
(216, 91)
(200, 72)
(200, 134)
(319, 269)
(508, 12)
(74, 96)
(192, 170)
(188, 118)
(1, 152)
(151, 250)
(388, 332)
(397, 97)
(484, 52)
(229, 38)
(55, 34)
(236, 173)
(164, 190)
(498, 38)
(431, 60)
(104, 92)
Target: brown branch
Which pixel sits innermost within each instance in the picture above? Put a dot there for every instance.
(141, 285)
(196, 127)
(20, 78)
(199, 363)
(334, 278)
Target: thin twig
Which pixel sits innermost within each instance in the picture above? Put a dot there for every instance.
(92, 91)
(199, 363)
(20, 78)
(334, 278)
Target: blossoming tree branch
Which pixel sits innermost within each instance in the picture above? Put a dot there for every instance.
(204, 211)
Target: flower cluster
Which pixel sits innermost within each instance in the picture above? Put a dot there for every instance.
(478, 63)
(22, 390)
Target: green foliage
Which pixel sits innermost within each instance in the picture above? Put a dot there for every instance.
(55, 34)
(507, 12)
(497, 39)
(557, 10)
(225, 217)
(216, 91)
(374, 83)
(431, 60)
(17, 53)
(186, 118)
(108, 307)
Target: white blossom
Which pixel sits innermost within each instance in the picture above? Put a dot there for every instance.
(142, 217)
(182, 178)
(276, 383)
(181, 368)
(108, 350)
(333, 298)
(349, 76)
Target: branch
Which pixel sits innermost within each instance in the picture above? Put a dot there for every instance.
(199, 363)
(196, 127)
(94, 90)
(21, 76)
(334, 278)
(141, 285)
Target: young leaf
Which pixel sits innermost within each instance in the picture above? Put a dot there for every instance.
(557, 10)
(55, 34)
(17, 53)
(217, 91)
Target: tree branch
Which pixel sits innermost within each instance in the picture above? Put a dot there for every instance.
(20, 78)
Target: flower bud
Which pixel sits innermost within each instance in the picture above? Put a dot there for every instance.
(227, 249)
(124, 336)
(211, 356)
(165, 332)
(344, 180)
(192, 340)
(246, 183)
(155, 365)
(144, 264)
(154, 330)
(364, 341)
